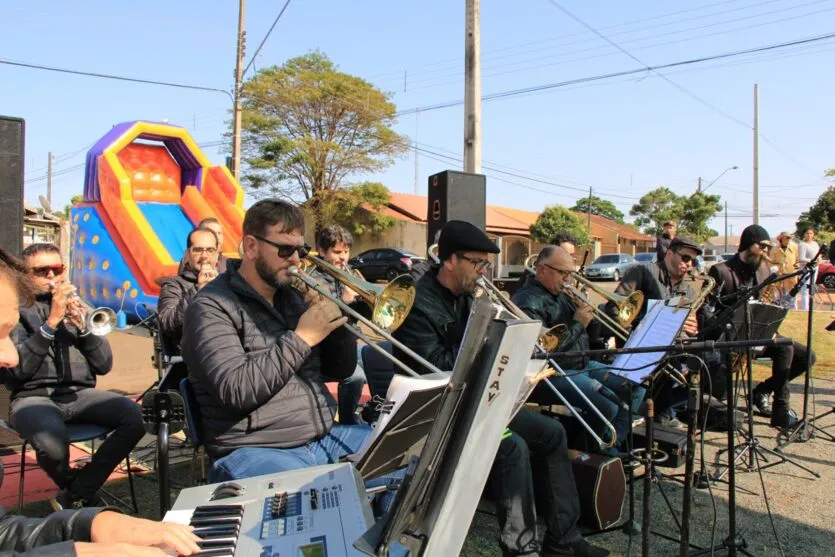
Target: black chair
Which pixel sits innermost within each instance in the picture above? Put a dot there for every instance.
(378, 372)
(194, 434)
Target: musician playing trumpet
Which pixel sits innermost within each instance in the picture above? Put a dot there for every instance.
(543, 298)
(535, 448)
(54, 384)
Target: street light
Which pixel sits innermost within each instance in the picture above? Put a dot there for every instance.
(703, 189)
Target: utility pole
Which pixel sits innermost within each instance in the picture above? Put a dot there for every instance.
(699, 186)
(49, 180)
(236, 109)
(588, 216)
(472, 87)
(756, 155)
(726, 227)
(417, 154)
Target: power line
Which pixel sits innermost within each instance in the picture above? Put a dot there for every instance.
(114, 77)
(600, 77)
(267, 36)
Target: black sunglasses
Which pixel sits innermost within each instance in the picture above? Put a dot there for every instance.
(286, 251)
(685, 258)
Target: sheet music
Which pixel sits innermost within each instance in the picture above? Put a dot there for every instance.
(660, 327)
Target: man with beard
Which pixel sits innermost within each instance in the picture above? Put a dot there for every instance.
(748, 268)
(663, 241)
(533, 452)
(202, 251)
(54, 384)
(258, 353)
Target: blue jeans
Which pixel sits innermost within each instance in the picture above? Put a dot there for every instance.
(340, 441)
(349, 393)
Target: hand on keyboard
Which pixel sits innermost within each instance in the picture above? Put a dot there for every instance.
(141, 537)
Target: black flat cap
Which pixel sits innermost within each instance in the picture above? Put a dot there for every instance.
(680, 242)
(458, 235)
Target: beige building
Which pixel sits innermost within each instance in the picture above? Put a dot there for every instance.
(509, 228)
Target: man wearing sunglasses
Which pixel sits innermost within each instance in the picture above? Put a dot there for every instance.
(662, 280)
(258, 354)
(747, 268)
(534, 453)
(176, 294)
(543, 298)
(54, 384)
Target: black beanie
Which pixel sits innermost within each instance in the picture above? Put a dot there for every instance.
(753, 234)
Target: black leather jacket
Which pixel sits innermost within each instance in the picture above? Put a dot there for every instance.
(174, 298)
(52, 536)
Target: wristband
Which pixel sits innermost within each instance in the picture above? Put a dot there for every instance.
(47, 331)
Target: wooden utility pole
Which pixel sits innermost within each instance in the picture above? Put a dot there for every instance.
(588, 215)
(699, 186)
(49, 180)
(726, 227)
(472, 87)
(756, 155)
(236, 109)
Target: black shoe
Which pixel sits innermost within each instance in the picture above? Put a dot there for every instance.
(578, 548)
(783, 419)
(762, 402)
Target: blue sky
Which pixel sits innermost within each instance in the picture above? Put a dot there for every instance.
(622, 137)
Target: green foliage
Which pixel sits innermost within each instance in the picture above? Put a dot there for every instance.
(821, 215)
(657, 207)
(65, 213)
(556, 219)
(690, 213)
(698, 209)
(343, 208)
(307, 128)
(601, 207)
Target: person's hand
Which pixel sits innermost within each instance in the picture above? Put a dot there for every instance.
(83, 549)
(348, 295)
(318, 321)
(61, 294)
(76, 314)
(205, 275)
(141, 536)
(691, 326)
(584, 314)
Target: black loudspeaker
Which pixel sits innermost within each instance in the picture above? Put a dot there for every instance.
(455, 196)
(11, 184)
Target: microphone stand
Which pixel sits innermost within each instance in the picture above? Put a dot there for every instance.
(806, 426)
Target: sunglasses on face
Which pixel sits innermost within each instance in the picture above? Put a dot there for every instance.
(562, 273)
(479, 264)
(286, 251)
(685, 258)
(46, 269)
(764, 246)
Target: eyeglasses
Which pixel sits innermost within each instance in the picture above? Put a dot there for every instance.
(201, 251)
(563, 273)
(44, 271)
(764, 246)
(479, 264)
(286, 251)
(685, 258)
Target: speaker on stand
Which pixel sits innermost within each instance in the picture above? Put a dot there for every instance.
(455, 196)
(11, 184)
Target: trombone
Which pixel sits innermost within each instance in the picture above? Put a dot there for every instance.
(391, 304)
(500, 298)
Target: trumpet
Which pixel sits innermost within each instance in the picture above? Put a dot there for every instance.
(99, 321)
(500, 298)
(391, 304)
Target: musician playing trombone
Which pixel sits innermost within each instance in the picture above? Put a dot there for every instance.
(258, 352)
(534, 450)
(54, 384)
(543, 298)
(662, 280)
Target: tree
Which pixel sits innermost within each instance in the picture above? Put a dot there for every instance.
(600, 207)
(556, 219)
(65, 213)
(308, 127)
(346, 202)
(821, 215)
(697, 210)
(657, 207)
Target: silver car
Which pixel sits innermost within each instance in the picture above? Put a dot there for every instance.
(609, 267)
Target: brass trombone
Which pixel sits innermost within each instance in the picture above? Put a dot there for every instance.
(500, 298)
(391, 304)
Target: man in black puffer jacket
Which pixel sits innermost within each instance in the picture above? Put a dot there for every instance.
(176, 294)
(54, 384)
(258, 352)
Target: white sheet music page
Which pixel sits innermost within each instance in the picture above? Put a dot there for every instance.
(660, 327)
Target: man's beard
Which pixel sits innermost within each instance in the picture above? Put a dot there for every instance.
(754, 260)
(268, 275)
(665, 235)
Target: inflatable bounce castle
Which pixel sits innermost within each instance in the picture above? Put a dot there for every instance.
(146, 186)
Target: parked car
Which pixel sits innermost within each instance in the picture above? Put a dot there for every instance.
(826, 275)
(727, 256)
(710, 261)
(645, 257)
(384, 263)
(609, 267)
